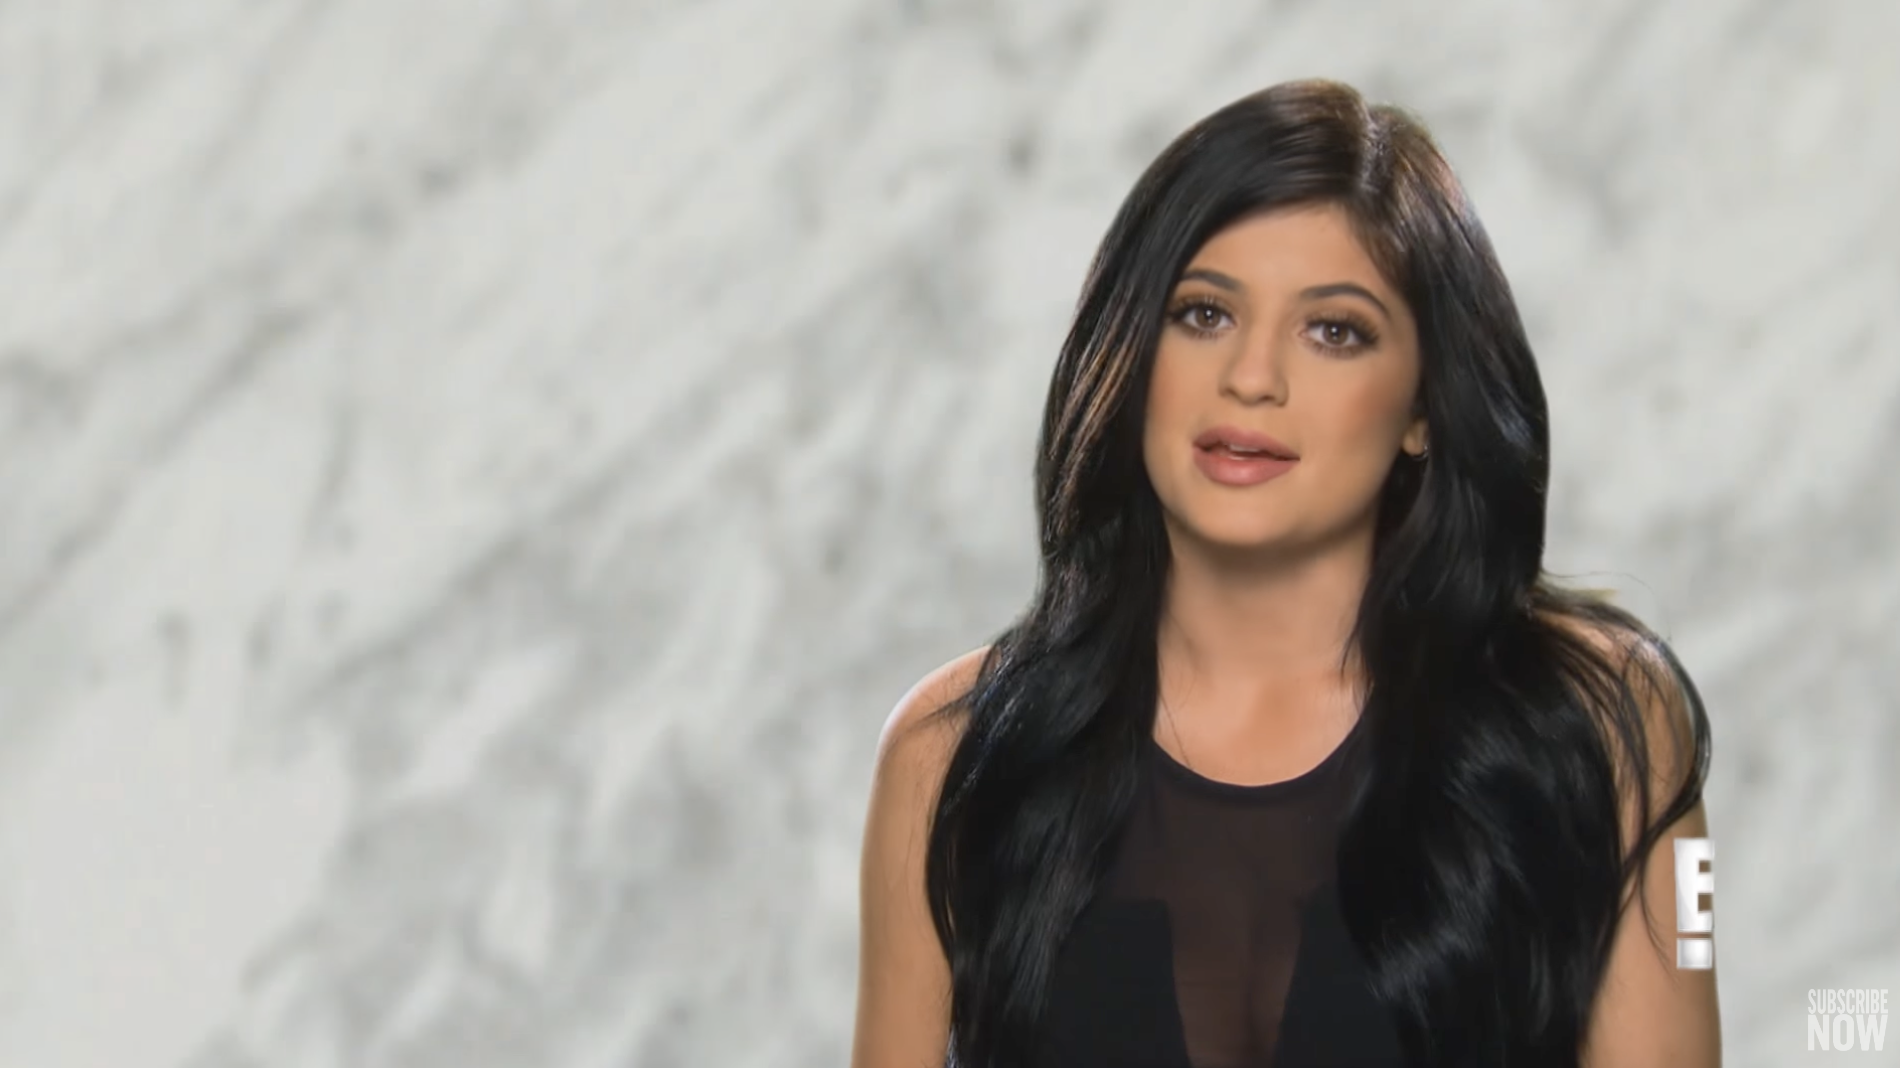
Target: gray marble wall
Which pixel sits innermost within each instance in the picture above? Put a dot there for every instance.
(474, 477)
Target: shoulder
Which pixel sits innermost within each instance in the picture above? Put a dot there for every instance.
(1606, 635)
(1644, 663)
(924, 727)
(903, 974)
(1647, 1011)
(1651, 714)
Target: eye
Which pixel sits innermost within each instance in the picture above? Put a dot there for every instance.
(1199, 316)
(1343, 333)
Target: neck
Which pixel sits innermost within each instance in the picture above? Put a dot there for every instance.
(1259, 636)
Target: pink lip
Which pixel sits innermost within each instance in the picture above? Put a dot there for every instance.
(1231, 470)
(1246, 439)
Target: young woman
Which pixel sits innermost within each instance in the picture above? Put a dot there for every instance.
(1297, 757)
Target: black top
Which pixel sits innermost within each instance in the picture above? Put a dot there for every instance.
(1217, 941)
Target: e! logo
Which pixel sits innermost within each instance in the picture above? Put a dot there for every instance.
(1691, 883)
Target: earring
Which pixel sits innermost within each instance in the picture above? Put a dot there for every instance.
(1420, 455)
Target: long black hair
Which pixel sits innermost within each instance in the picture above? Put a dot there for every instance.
(1484, 859)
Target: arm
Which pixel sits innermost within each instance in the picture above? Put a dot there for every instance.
(903, 1012)
(1649, 1013)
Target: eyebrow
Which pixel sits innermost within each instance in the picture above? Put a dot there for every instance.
(1330, 289)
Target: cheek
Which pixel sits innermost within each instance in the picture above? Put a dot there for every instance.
(1367, 416)
(1168, 407)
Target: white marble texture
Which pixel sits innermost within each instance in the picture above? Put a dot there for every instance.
(475, 476)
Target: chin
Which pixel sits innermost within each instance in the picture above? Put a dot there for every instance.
(1233, 531)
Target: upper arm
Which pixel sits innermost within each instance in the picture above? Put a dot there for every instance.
(903, 1011)
(1648, 1012)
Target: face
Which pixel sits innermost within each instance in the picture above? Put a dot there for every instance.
(1281, 326)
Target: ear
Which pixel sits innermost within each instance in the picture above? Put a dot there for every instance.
(1417, 439)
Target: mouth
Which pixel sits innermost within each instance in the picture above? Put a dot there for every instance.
(1243, 444)
(1233, 457)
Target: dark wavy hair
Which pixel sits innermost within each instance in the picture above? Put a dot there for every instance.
(1485, 859)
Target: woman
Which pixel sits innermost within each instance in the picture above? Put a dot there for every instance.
(1298, 756)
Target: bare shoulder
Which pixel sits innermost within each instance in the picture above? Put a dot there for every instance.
(1661, 687)
(1613, 640)
(928, 720)
(1648, 1012)
(903, 1012)
(1668, 708)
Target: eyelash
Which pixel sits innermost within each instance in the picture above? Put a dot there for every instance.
(1369, 337)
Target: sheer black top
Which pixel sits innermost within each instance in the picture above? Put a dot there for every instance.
(1217, 941)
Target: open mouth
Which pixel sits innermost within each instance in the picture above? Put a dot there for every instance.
(1240, 452)
(1231, 463)
(1243, 444)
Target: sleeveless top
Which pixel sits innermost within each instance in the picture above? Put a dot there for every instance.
(1217, 940)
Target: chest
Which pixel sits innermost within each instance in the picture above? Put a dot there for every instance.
(1217, 940)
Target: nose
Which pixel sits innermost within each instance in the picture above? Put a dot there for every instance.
(1256, 371)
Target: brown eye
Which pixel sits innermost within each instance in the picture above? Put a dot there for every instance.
(1200, 316)
(1342, 335)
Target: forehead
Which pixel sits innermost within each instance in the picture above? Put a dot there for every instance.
(1292, 245)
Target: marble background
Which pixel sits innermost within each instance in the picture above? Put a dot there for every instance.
(474, 477)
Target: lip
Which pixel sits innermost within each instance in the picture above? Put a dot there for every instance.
(1227, 469)
(1224, 467)
(1246, 439)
